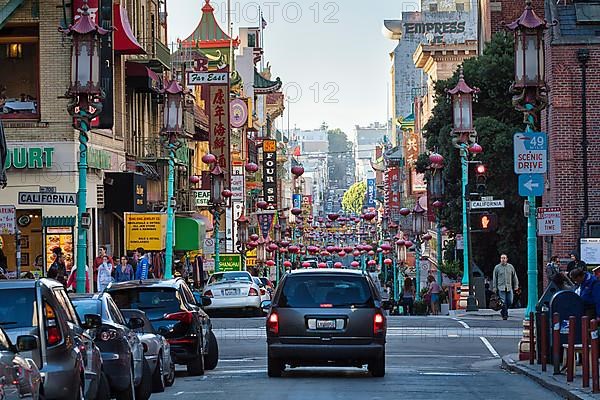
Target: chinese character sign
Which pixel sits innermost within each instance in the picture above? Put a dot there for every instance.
(393, 181)
(371, 194)
(270, 172)
(219, 126)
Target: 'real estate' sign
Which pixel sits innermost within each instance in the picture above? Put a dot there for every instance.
(270, 172)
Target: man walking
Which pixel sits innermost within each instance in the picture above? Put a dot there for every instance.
(505, 281)
(143, 265)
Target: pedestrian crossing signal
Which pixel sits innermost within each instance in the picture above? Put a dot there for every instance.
(487, 222)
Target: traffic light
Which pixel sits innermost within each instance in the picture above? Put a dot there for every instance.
(486, 222)
(480, 178)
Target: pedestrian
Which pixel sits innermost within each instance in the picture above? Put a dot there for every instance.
(408, 296)
(104, 274)
(588, 288)
(99, 259)
(72, 281)
(434, 293)
(124, 271)
(143, 265)
(575, 262)
(505, 281)
(58, 269)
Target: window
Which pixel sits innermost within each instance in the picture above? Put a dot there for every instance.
(252, 40)
(460, 7)
(84, 307)
(65, 303)
(433, 7)
(19, 73)
(330, 291)
(18, 308)
(114, 312)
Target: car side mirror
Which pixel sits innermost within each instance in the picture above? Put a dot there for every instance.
(205, 301)
(135, 323)
(266, 306)
(91, 321)
(27, 343)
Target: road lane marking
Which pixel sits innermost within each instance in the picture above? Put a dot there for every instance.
(447, 373)
(452, 335)
(489, 346)
(463, 323)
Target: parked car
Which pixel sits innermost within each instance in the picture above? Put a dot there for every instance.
(128, 373)
(265, 295)
(268, 284)
(19, 377)
(174, 314)
(157, 351)
(233, 291)
(326, 318)
(68, 360)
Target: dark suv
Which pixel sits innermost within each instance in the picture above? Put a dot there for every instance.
(326, 317)
(69, 361)
(174, 314)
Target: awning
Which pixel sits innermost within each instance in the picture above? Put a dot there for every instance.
(124, 41)
(189, 234)
(57, 222)
(141, 78)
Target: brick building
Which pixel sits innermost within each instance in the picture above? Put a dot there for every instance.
(572, 41)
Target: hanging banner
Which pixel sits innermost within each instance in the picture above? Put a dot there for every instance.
(270, 172)
(265, 222)
(393, 181)
(371, 193)
(297, 200)
(219, 126)
(307, 204)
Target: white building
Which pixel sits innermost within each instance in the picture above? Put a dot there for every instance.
(365, 141)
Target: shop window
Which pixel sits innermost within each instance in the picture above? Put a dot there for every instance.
(433, 7)
(19, 73)
(252, 40)
(460, 7)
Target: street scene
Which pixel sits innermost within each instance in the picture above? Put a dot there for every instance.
(329, 199)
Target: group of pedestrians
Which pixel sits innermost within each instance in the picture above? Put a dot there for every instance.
(431, 298)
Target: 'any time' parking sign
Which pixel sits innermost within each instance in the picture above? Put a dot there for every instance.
(531, 153)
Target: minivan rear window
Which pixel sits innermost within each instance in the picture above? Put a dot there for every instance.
(155, 302)
(17, 308)
(325, 291)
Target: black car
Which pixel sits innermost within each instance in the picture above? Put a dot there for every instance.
(174, 314)
(326, 317)
(122, 351)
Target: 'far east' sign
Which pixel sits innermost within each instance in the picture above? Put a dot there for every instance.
(548, 221)
(531, 153)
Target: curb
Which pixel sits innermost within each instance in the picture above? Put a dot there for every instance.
(545, 381)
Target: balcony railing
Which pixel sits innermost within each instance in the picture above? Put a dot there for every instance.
(158, 54)
(151, 149)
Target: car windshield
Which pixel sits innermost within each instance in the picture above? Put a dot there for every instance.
(17, 308)
(230, 276)
(325, 291)
(86, 306)
(155, 302)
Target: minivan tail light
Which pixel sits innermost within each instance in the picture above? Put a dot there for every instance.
(252, 292)
(183, 316)
(262, 292)
(378, 324)
(208, 293)
(54, 335)
(273, 324)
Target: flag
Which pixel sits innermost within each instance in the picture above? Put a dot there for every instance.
(263, 22)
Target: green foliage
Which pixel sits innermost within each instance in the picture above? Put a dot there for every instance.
(496, 121)
(420, 307)
(422, 163)
(452, 269)
(354, 198)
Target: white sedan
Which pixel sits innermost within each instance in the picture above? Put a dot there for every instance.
(233, 291)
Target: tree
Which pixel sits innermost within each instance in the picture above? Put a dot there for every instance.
(495, 121)
(354, 198)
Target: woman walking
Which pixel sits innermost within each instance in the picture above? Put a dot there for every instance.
(408, 296)
(124, 271)
(104, 274)
(434, 292)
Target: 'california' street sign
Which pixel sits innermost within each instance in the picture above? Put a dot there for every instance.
(474, 205)
(48, 199)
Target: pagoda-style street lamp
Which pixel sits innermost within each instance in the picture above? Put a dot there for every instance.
(217, 184)
(242, 237)
(464, 137)
(419, 227)
(172, 127)
(85, 104)
(530, 98)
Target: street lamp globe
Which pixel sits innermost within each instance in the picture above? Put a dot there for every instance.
(173, 108)
(462, 105)
(242, 228)
(217, 185)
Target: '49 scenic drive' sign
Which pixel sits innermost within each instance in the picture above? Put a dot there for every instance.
(531, 153)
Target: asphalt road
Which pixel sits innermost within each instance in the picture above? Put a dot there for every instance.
(427, 358)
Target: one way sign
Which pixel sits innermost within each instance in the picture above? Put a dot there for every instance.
(531, 185)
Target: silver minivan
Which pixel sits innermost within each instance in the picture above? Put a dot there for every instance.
(68, 360)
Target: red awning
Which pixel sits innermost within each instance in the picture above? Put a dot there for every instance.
(137, 70)
(124, 40)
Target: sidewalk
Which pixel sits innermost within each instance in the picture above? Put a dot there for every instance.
(488, 314)
(555, 383)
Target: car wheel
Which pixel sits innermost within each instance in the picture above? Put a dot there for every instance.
(212, 358)
(143, 391)
(170, 377)
(377, 366)
(196, 367)
(103, 392)
(275, 367)
(129, 393)
(158, 377)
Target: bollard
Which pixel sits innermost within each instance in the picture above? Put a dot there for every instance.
(531, 338)
(571, 350)
(556, 346)
(585, 351)
(594, 345)
(543, 340)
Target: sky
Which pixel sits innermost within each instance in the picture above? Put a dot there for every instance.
(331, 55)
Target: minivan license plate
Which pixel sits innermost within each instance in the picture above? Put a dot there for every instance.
(326, 324)
(230, 292)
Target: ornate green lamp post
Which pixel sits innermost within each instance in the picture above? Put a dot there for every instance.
(86, 95)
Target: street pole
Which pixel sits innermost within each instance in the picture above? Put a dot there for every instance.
(81, 209)
(532, 292)
(464, 159)
(396, 294)
(217, 223)
(418, 268)
(439, 249)
(18, 251)
(276, 268)
(170, 225)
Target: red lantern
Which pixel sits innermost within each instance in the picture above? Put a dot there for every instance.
(194, 179)
(272, 247)
(404, 211)
(262, 204)
(438, 204)
(371, 253)
(296, 211)
(209, 158)
(284, 244)
(387, 261)
(333, 217)
(287, 264)
(305, 264)
(372, 262)
(475, 149)
(322, 265)
(294, 249)
(356, 253)
(270, 263)
(251, 167)
(386, 247)
(408, 244)
(348, 249)
(427, 237)
(298, 170)
(354, 264)
(254, 237)
(251, 245)
(400, 242)
(227, 193)
(337, 265)
(436, 159)
(342, 253)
